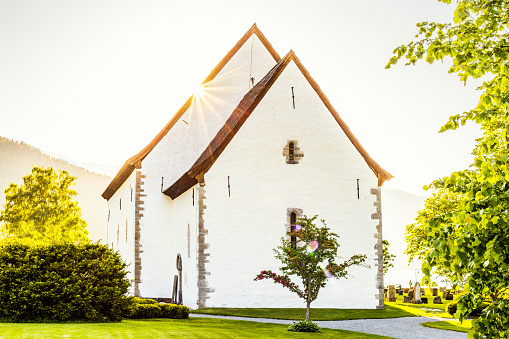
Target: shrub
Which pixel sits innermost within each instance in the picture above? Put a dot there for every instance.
(304, 326)
(143, 301)
(62, 283)
(146, 311)
(148, 308)
(174, 311)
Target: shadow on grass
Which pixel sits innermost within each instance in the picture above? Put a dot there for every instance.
(316, 314)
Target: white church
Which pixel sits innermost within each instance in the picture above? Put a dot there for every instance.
(225, 178)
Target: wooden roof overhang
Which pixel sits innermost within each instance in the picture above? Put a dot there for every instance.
(240, 115)
(135, 162)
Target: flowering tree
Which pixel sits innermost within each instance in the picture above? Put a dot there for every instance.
(312, 258)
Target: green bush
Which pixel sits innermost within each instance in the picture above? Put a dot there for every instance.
(62, 283)
(146, 311)
(304, 326)
(147, 308)
(143, 301)
(174, 311)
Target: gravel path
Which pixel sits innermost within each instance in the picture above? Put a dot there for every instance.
(401, 328)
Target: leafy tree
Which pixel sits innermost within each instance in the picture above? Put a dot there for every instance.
(473, 241)
(441, 202)
(42, 210)
(312, 259)
(388, 258)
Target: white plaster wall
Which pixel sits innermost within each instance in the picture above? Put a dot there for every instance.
(245, 227)
(161, 229)
(121, 224)
(185, 218)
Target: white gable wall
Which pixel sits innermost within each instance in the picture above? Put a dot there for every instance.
(175, 154)
(121, 223)
(245, 227)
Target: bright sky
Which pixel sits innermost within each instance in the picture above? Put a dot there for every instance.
(96, 80)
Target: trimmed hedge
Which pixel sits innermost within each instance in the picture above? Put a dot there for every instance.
(62, 283)
(148, 308)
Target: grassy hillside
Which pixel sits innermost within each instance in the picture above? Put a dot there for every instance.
(16, 161)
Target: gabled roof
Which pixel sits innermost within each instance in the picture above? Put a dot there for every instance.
(240, 115)
(135, 161)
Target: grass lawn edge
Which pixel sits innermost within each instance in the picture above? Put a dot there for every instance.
(447, 325)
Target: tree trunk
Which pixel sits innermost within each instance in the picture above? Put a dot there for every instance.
(308, 300)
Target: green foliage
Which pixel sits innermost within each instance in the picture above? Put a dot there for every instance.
(388, 258)
(441, 202)
(148, 308)
(62, 283)
(42, 210)
(452, 307)
(143, 301)
(146, 311)
(172, 311)
(304, 326)
(313, 260)
(472, 241)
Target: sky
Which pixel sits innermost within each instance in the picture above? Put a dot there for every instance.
(94, 81)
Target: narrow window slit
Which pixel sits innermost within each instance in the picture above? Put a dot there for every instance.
(293, 220)
(358, 194)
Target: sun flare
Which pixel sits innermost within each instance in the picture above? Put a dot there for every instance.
(198, 91)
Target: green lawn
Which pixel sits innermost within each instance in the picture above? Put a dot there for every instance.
(453, 325)
(166, 328)
(424, 309)
(315, 314)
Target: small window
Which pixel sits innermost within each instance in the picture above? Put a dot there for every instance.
(292, 152)
(293, 220)
(292, 214)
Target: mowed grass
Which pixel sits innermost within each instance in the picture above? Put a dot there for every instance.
(167, 328)
(451, 325)
(316, 314)
(423, 309)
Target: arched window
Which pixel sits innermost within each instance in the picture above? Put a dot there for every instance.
(293, 220)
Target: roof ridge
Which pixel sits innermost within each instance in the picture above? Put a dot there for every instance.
(135, 161)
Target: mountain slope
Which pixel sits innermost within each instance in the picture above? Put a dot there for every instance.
(17, 160)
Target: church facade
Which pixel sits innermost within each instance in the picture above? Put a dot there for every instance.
(225, 178)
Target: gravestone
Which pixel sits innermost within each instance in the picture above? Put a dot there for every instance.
(434, 291)
(437, 300)
(407, 299)
(400, 292)
(417, 293)
(449, 296)
(405, 290)
(392, 293)
(411, 294)
(424, 300)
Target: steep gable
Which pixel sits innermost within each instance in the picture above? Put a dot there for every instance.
(241, 114)
(215, 78)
